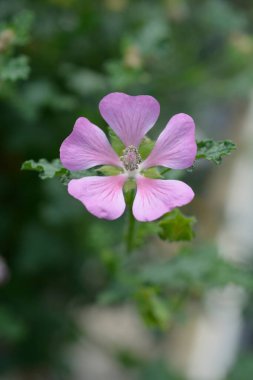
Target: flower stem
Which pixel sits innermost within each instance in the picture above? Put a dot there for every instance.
(131, 225)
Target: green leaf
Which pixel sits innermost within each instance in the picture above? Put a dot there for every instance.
(22, 24)
(15, 68)
(54, 169)
(214, 150)
(145, 147)
(196, 270)
(117, 144)
(175, 226)
(154, 310)
(46, 169)
(109, 170)
(152, 173)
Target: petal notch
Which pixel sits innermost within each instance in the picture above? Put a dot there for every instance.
(87, 146)
(131, 117)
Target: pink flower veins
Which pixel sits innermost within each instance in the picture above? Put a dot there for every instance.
(131, 117)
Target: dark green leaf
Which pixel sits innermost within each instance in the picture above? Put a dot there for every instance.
(175, 226)
(214, 150)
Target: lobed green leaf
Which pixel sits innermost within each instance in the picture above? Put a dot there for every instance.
(175, 226)
(214, 150)
(45, 168)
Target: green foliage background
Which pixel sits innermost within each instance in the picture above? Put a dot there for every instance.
(57, 59)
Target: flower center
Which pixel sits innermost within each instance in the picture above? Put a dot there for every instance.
(131, 158)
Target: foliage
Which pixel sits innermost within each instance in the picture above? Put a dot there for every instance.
(215, 150)
(162, 290)
(12, 35)
(176, 227)
(46, 169)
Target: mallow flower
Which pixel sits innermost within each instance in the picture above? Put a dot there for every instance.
(130, 117)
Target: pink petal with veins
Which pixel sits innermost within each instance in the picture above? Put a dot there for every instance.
(102, 196)
(176, 147)
(155, 197)
(131, 117)
(87, 146)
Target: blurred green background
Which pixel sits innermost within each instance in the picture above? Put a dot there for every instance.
(58, 58)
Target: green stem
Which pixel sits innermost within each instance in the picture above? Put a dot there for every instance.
(131, 225)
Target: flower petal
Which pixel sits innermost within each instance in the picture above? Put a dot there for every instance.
(155, 197)
(176, 147)
(87, 146)
(102, 196)
(131, 117)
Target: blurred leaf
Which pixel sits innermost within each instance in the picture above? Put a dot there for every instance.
(84, 81)
(158, 370)
(11, 328)
(175, 226)
(214, 150)
(22, 24)
(195, 271)
(45, 168)
(243, 368)
(121, 76)
(154, 310)
(145, 230)
(15, 68)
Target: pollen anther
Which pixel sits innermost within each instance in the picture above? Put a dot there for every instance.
(131, 158)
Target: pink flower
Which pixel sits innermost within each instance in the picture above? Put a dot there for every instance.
(131, 117)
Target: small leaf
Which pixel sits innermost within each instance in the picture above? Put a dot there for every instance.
(145, 147)
(214, 150)
(152, 173)
(109, 170)
(175, 226)
(46, 169)
(117, 144)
